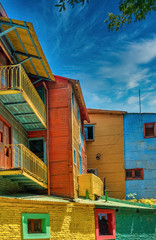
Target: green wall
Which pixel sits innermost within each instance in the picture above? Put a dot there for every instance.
(133, 225)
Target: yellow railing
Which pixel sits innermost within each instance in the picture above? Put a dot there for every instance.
(14, 156)
(14, 77)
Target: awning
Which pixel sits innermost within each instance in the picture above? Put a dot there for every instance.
(25, 47)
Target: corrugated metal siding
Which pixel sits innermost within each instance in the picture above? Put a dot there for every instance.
(60, 145)
(110, 144)
(140, 152)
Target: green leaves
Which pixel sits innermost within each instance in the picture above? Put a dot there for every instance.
(62, 3)
(130, 10)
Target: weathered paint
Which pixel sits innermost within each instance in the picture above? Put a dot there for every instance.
(77, 129)
(64, 132)
(91, 184)
(74, 220)
(132, 225)
(67, 220)
(60, 138)
(108, 132)
(19, 134)
(140, 152)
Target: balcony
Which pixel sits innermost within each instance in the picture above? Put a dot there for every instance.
(19, 164)
(21, 98)
(91, 184)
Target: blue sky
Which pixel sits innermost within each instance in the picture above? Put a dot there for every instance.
(111, 66)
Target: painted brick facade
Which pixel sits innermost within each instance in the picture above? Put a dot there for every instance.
(75, 221)
(67, 221)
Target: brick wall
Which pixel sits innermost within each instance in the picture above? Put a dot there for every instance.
(67, 221)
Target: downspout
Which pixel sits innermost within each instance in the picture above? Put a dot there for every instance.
(47, 148)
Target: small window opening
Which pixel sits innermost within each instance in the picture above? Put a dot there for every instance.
(73, 100)
(94, 171)
(137, 174)
(37, 147)
(89, 132)
(134, 174)
(129, 173)
(103, 225)
(149, 130)
(35, 226)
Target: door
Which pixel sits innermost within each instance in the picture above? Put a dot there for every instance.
(5, 150)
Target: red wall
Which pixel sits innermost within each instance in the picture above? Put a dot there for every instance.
(60, 138)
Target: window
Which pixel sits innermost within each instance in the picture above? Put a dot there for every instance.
(89, 132)
(74, 156)
(105, 224)
(78, 113)
(94, 171)
(149, 130)
(38, 147)
(80, 159)
(35, 225)
(134, 174)
(73, 100)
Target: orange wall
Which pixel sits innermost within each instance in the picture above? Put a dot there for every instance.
(60, 138)
(109, 142)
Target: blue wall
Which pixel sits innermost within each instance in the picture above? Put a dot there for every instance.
(140, 152)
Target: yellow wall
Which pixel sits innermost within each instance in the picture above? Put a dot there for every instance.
(67, 220)
(109, 142)
(75, 144)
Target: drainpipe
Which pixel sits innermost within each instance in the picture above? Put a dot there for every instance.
(47, 148)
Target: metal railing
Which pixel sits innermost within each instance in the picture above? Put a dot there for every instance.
(14, 156)
(14, 77)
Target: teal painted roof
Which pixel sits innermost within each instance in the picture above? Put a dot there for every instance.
(101, 203)
(115, 203)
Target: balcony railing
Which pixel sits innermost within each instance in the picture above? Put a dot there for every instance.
(17, 156)
(90, 183)
(14, 77)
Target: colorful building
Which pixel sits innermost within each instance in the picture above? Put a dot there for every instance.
(140, 154)
(105, 149)
(41, 120)
(43, 153)
(55, 218)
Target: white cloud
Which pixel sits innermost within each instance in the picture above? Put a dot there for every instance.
(132, 100)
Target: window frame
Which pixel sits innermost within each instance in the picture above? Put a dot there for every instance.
(80, 160)
(86, 126)
(45, 220)
(105, 211)
(73, 99)
(133, 174)
(74, 157)
(78, 113)
(146, 124)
